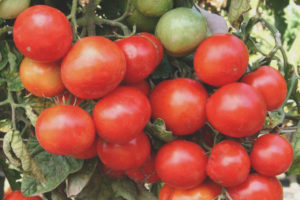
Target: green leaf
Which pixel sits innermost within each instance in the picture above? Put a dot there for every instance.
(125, 188)
(295, 168)
(5, 126)
(236, 10)
(11, 175)
(7, 149)
(31, 115)
(145, 194)
(158, 129)
(14, 83)
(184, 3)
(164, 70)
(3, 55)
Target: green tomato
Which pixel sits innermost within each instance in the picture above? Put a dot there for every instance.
(154, 8)
(9, 9)
(181, 30)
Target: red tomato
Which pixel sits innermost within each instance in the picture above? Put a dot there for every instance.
(64, 99)
(142, 86)
(117, 174)
(228, 164)
(271, 155)
(42, 33)
(17, 195)
(181, 104)
(270, 83)
(181, 164)
(124, 156)
(65, 130)
(91, 152)
(257, 187)
(236, 110)
(121, 115)
(93, 67)
(146, 173)
(221, 59)
(205, 191)
(41, 79)
(141, 57)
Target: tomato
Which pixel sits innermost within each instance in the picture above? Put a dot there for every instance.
(270, 83)
(41, 79)
(9, 9)
(121, 115)
(65, 130)
(64, 98)
(146, 173)
(91, 152)
(228, 164)
(221, 59)
(271, 155)
(117, 174)
(188, 28)
(205, 191)
(93, 67)
(257, 187)
(141, 57)
(42, 33)
(236, 110)
(124, 156)
(17, 195)
(143, 86)
(181, 164)
(181, 104)
(154, 8)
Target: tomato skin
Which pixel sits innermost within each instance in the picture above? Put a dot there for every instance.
(91, 152)
(141, 57)
(236, 110)
(257, 187)
(42, 33)
(205, 191)
(270, 83)
(187, 173)
(181, 104)
(221, 59)
(10, 9)
(93, 67)
(17, 195)
(116, 174)
(41, 79)
(271, 155)
(154, 8)
(65, 130)
(124, 156)
(142, 86)
(228, 164)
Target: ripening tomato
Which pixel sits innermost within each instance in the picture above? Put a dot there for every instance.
(89, 153)
(65, 130)
(41, 79)
(142, 86)
(271, 155)
(181, 164)
(228, 163)
(117, 174)
(154, 8)
(221, 59)
(17, 195)
(236, 110)
(181, 104)
(121, 115)
(270, 83)
(124, 156)
(257, 187)
(42, 33)
(10, 9)
(93, 67)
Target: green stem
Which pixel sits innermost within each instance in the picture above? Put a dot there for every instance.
(5, 29)
(126, 13)
(72, 16)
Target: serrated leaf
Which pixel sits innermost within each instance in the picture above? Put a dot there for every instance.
(31, 115)
(14, 83)
(7, 149)
(5, 125)
(158, 129)
(295, 168)
(236, 10)
(125, 188)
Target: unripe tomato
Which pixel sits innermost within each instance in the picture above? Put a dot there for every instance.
(121, 115)
(257, 187)
(181, 164)
(236, 110)
(65, 130)
(270, 83)
(181, 30)
(41, 79)
(9, 9)
(93, 67)
(17, 195)
(154, 8)
(143, 86)
(124, 156)
(228, 164)
(271, 155)
(42, 33)
(116, 174)
(181, 104)
(221, 59)
(91, 152)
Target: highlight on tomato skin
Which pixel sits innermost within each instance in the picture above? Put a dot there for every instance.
(17, 195)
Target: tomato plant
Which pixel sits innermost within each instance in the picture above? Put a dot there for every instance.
(10, 9)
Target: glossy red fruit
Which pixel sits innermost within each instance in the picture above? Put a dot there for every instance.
(236, 110)
(17, 195)
(121, 115)
(93, 67)
(181, 104)
(221, 59)
(141, 57)
(117, 174)
(271, 155)
(270, 83)
(125, 156)
(91, 152)
(142, 86)
(65, 130)
(42, 33)
(181, 164)
(228, 163)
(257, 187)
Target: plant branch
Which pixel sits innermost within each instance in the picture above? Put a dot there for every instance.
(72, 16)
